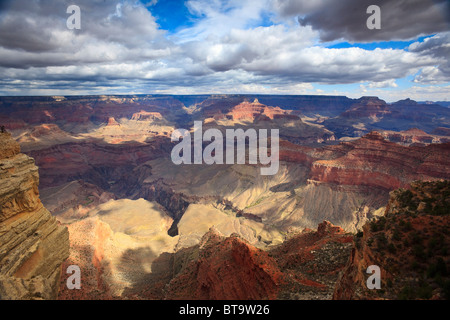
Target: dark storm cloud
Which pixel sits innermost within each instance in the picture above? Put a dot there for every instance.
(346, 19)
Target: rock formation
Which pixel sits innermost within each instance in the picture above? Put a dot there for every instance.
(311, 261)
(115, 246)
(33, 245)
(370, 113)
(226, 268)
(306, 266)
(409, 244)
(99, 154)
(414, 137)
(256, 110)
(373, 161)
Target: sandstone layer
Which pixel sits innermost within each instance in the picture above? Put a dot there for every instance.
(33, 245)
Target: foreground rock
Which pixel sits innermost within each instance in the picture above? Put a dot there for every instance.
(32, 243)
(410, 245)
(305, 266)
(312, 261)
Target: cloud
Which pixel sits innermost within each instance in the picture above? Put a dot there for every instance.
(151, 3)
(383, 84)
(232, 46)
(418, 93)
(217, 18)
(437, 47)
(35, 34)
(346, 19)
(289, 54)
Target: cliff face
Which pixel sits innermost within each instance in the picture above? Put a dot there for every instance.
(409, 244)
(226, 268)
(252, 111)
(305, 266)
(373, 161)
(93, 161)
(367, 107)
(32, 244)
(415, 137)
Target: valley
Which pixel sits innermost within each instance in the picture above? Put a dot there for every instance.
(142, 227)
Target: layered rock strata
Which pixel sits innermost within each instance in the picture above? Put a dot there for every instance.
(32, 243)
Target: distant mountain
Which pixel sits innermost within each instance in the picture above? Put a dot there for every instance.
(371, 113)
(441, 103)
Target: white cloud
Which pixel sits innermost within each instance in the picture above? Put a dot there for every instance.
(383, 84)
(418, 93)
(121, 47)
(217, 18)
(437, 47)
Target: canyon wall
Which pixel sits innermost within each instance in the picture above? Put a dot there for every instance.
(33, 244)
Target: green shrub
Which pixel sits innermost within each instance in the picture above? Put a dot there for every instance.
(408, 226)
(397, 235)
(424, 291)
(391, 248)
(406, 293)
(416, 238)
(419, 251)
(373, 226)
(446, 289)
(382, 242)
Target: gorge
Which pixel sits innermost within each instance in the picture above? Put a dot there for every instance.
(141, 227)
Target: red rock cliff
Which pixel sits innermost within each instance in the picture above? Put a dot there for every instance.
(373, 161)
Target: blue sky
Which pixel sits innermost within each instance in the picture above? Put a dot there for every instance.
(227, 46)
(171, 15)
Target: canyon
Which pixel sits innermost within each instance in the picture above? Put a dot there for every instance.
(142, 227)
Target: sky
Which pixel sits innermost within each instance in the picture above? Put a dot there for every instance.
(226, 47)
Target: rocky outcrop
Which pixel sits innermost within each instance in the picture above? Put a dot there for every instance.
(414, 137)
(373, 161)
(367, 107)
(112, 122)
(441, 131)
(146, 116)
(311, 261)
(256, 110)
(305, 266)
(409, 244)
(32, 243)
(370, 113)
(115, 247)
(226, 268)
